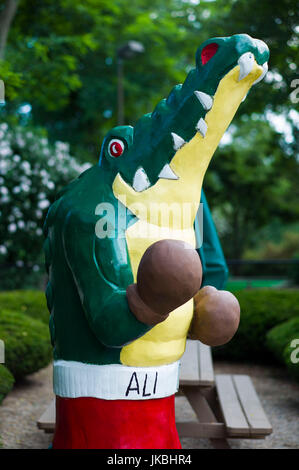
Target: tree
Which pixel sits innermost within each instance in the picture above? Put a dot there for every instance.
(6, 18)
(60, 58)
(250, 181)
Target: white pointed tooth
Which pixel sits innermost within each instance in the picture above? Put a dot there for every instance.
(140, 180)
(178, 141)
(206, 100)
(265, 70)
(202, 127)
(167, 173)
(246, 63)
(244, 98)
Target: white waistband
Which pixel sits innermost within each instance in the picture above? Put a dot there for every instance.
(115, 381)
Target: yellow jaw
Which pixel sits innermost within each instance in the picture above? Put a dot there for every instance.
(191, 161)
(165, 343)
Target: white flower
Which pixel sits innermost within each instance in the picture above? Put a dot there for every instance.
(62, 146)
(3, 190)
(3, 126)
(20, 141)
(21, 224)
(43, 204)
(5, 151)
(17, 213)
(12, 228)
(25, 187)
(44, 174)
(26, 167)
(50, 184)
(3, 249)
(16, 158)
(4, 166)
(46, 152)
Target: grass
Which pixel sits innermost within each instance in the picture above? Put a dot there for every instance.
(238, 284)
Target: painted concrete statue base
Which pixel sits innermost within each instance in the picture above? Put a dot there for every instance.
(92, 423)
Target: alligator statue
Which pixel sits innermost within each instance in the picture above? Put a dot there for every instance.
(116, 367)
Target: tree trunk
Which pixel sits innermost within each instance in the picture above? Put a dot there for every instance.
(6, 18)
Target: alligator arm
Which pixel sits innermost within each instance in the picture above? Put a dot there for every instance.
(214, 267)
(104, 300)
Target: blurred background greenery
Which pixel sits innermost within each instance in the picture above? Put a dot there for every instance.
(58, 61)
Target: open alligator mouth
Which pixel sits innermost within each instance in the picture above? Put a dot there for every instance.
(246, 74)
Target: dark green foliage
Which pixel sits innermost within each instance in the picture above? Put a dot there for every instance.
(292, 366)
(32, 303)
(6, 382)
(32, 171)
(294, 270)
(62, 61)
(282, 341)
(27, 343)
(261, 310)
(281, 336)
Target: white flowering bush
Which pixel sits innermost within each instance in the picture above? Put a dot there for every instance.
(32, 171)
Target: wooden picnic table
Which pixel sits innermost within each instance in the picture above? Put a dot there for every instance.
(226, 406)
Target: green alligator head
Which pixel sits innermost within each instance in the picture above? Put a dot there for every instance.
(202, 106)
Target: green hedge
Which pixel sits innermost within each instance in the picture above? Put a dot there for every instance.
(31, 302)
(292, 367)
(261, 310)
(27, 343)
(279, 342)
(279, 337)
(6, 382)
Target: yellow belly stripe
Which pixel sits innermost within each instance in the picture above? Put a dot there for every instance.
(165, 343)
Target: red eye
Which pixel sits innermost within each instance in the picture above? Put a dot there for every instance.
(116, 148)
(208, 52)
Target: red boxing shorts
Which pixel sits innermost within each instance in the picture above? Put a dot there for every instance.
(94, 423)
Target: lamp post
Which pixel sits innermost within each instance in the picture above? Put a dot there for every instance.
(127, 51)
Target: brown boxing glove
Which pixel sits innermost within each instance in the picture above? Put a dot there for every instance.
(169, 274)
(216, 316)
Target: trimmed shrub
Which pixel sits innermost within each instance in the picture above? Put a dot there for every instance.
(27, 343)
(293, 367)
(6, 382)
(30, 302)
(280, 343)
(280, 337)
(261, 310)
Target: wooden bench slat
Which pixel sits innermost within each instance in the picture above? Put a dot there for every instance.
(189, 370)
(251, 405)
(201, 430)
(231, 409)
(205, 364)
(47, 420)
